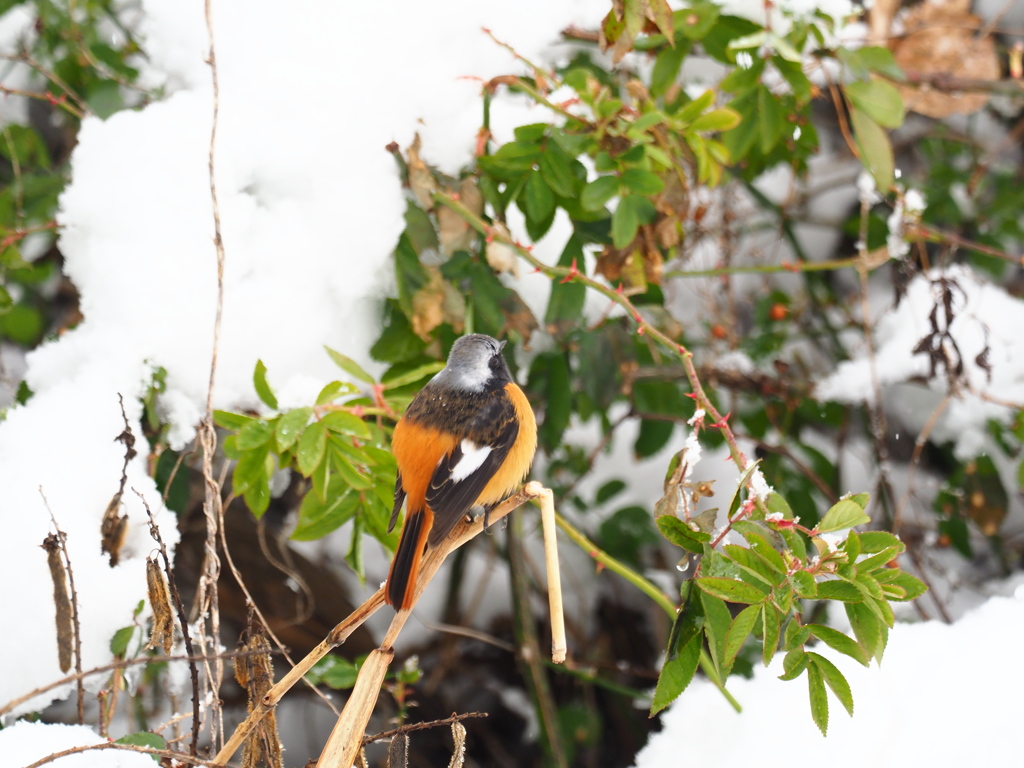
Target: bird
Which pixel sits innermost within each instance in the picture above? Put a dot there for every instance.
(467, 440)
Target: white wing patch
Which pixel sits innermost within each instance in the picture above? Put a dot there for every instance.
(473, 457)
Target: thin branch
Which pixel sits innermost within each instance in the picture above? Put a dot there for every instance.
(421, 726)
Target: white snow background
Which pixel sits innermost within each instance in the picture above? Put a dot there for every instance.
(311, 209)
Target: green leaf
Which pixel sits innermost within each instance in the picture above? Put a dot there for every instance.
(335, 672)
(537, 200)
(912, 586)
(556, 168)
(739, 630)
(350, 366)
(718, 619)
(145, 739)
(317, 518)
(875, 149)
(835, 639)
(530, 133)
(879, 560)
(119, 642)
(689, 621)
(723, 119)
(565, 306)
(349, 475)
(642, 182)
(867, 628)
(312, 445)
(654, 435)
(290, 426)
(680, 534)
(844, 514)
(819, 698)
(770, 626)
(346, 423)
(796, 635)
(696, 20)
(418, 373)
(875, 541)
(794, 664)
(632, 211)
(732, 590)
(771, 122)
(333, 391)
(6, 302)
(879, 100)
(232, 421)
(804, 584)
(253, 435)
(835, 681)
(259, 380)
(839, 590)
(598, 192)
(666, 68)
(675, 676)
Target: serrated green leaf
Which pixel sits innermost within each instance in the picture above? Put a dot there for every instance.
(598, 192)
(723, 119)
(796, 635)
(333, 391)
(290, 426)
(739, 630)
(253, 435)
(625, 222)
(250, 467)
(819, 698)
(844, 514)
(689, 621)
(717, 620)
(335, 672)
(346, 423)
(350, 366)
(879, 560)
(232, 421)
(731, 590)
(804, 584)
(867, 628)
(836, 640)
(312, 445)
(793, 664)
(875, 541)
(318, 518)
(642, 182)
(875, 149)
(411, 377)
(675, 676)
(751, 564)
(680, 534)
(771, 121)
(349, 475)
(556, 168)
(770, 619)
(259, 380)
(839, 590)
(538, 201)
(912, 586)
(767, 553)
(879, 100)
(835, 680)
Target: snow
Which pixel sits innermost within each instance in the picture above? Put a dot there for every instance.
(904, 709)
(24, 743)
(984, 317)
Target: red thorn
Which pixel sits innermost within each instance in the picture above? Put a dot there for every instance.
(640, 331)
(790, 266)
(723, 423)
(619, 289)
(573, 273)
(455, 196)
(691, 395)
(490, 238)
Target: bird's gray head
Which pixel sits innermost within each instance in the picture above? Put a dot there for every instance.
(475, 364)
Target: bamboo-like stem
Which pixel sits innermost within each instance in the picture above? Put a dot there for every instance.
(546, 502)
(432, 561)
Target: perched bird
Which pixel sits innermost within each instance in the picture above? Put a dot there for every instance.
(467, 440)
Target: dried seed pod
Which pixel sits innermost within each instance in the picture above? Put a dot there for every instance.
(398, 751)
(255, 673)
(61, 601)
(160, 602)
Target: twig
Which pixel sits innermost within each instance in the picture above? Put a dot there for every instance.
(421, 726)
(154, 532)
(13, 704)
(165, 753)
(62, 539)
(207, 435)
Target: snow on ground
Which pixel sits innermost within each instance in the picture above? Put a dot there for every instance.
(24, 743)
(935, 700)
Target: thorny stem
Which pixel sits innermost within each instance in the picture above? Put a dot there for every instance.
(643, 327)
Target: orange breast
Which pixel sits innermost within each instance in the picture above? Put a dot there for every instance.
(417, 450)
(517, 463)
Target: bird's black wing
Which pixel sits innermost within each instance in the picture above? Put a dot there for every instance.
(399, 501)
(449, 498)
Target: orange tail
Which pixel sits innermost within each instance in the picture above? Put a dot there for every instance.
(406, 565)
